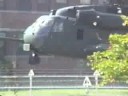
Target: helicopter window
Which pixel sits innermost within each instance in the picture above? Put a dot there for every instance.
(80, 34)
(44, 23)
(58, 26)
(41, 18)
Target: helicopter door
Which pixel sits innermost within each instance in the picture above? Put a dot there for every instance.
(56, 37)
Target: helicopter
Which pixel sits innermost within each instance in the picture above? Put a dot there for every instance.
(74, 31)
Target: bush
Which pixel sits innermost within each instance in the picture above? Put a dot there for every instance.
(112, 63)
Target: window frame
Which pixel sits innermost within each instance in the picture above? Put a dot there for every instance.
(58, 26)
(80, 34)
(61, 1)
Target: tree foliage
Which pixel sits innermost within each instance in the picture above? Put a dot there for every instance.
(112, 63)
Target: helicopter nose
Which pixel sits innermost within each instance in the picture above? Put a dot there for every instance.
(28, 36)
(33, 36)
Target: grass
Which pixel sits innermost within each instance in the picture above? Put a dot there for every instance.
(67, 92)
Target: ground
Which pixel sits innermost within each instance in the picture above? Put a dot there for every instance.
(67, 92)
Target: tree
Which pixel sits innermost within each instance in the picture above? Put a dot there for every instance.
(112, 63)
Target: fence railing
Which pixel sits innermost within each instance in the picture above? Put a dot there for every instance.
(42, 81)
(54, 81)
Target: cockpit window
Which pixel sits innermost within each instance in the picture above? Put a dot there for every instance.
(43, 25)
(58, 26)
(41, 19)
(44, 21)
(48, 22)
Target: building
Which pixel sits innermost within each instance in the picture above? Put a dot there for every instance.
(16, 15)
(43, 5)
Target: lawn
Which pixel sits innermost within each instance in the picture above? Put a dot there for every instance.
(67, 92)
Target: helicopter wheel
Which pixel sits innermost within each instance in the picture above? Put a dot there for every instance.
(34, 58)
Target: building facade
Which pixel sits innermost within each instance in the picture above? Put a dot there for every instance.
(41, 5)
(16, 15)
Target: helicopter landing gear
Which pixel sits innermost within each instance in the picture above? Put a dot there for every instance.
(34, 58)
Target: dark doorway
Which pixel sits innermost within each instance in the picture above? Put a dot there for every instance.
(24, 5)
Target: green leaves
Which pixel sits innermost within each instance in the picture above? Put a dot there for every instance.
(112, 63)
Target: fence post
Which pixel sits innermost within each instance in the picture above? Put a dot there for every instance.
(30, 74)
(87, 82)
(96, 74)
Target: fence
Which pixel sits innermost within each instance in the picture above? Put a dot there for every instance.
(43, 81)
(54, 81)
(61, 85)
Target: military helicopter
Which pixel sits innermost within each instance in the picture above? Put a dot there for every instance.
(74, 31)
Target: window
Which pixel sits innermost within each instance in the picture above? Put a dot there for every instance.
(2, 4)
(58, 26)
(24, 5)
(80, 34)
(85, 1)
(61, 1)
(60, 4)
(41, 1)
(43, 5)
